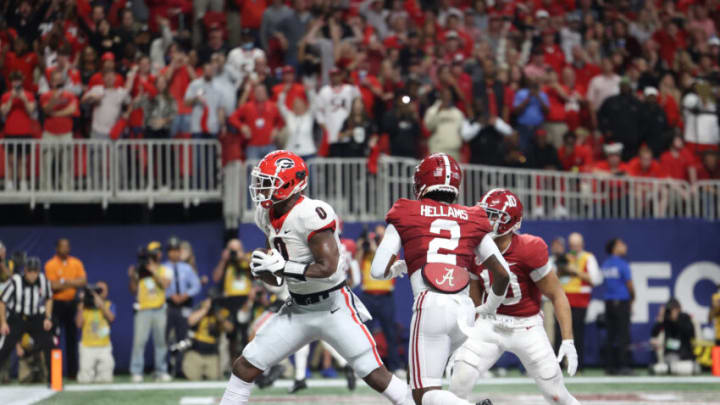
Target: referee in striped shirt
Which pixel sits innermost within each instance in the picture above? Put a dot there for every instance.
(28, 301)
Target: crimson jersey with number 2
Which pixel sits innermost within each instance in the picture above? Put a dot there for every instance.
(435, 232)
(527, 258)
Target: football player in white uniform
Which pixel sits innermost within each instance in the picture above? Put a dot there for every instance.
(305, 255)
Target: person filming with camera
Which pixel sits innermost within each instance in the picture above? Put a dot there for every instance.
(207, 321)
(148, 281)
(232, 273)
(94, 315)
(26, 306)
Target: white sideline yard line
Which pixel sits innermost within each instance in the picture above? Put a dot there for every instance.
(24, 395)
(339, 383)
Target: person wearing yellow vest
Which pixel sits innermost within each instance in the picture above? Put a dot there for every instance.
(377, 295)
(232, 273)
(714, 315)
(148, 281)
(578, 278)
(94, 315)
(207, 321)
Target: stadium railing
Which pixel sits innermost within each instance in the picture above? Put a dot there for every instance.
(189, 172)
(151, 171)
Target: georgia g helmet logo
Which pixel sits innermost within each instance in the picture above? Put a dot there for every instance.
(284, 163)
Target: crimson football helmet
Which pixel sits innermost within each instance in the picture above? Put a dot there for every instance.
(277, 177)
(504, 210)
(437, 172)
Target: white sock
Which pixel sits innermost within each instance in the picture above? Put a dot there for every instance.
(438, 397)
(301, 357)
(237, 392)
(341, 362)
(398, 392)
(554, 390)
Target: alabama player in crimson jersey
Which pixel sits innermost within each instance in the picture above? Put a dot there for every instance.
(440, 240)
(305, 255)
(518, 325)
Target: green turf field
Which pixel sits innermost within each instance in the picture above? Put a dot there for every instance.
(589, 389)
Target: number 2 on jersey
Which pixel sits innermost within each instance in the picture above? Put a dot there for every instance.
(436, 227)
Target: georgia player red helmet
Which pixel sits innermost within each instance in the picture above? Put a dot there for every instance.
(278, 176)
(437, 172)
(504, 210)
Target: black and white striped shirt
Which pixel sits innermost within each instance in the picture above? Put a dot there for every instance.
(23, 298)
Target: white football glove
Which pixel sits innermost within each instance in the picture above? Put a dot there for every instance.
(567, 349)
(398, 269)
(271, 262)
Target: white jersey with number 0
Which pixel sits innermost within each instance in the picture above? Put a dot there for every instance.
(291, 233)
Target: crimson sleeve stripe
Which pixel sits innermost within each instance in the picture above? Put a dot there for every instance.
(330, 226)
(365, 331)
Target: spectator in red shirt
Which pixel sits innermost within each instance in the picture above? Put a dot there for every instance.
(710, 169)
(258, 121)
(553, 56)
(644, 165)
(179, 73)
(584, 69)
(144, 85)
(251, 12)
(573, 156)
(21, 59)
(59, 106)
(613, 164)
(17, 106)
(71, 76)
(290, 87)
(107, 62)
(679, 162)
(558, 96)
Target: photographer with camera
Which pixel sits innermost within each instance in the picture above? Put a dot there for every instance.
(184, 286)
(233, 275)
(148, 282)
(207, 321)
(672, 337)
(26, 306)
(94, 315)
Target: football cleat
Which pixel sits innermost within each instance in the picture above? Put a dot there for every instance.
(298, 385)
(269, 379)
(485, 402)
(350, 377)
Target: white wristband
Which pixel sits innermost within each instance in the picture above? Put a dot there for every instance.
(493, 300)
(295, 269)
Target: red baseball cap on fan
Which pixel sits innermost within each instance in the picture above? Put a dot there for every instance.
(107, 56)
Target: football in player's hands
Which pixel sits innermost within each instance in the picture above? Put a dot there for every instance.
(264, 260)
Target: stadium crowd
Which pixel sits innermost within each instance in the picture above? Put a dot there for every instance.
(578, 85)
